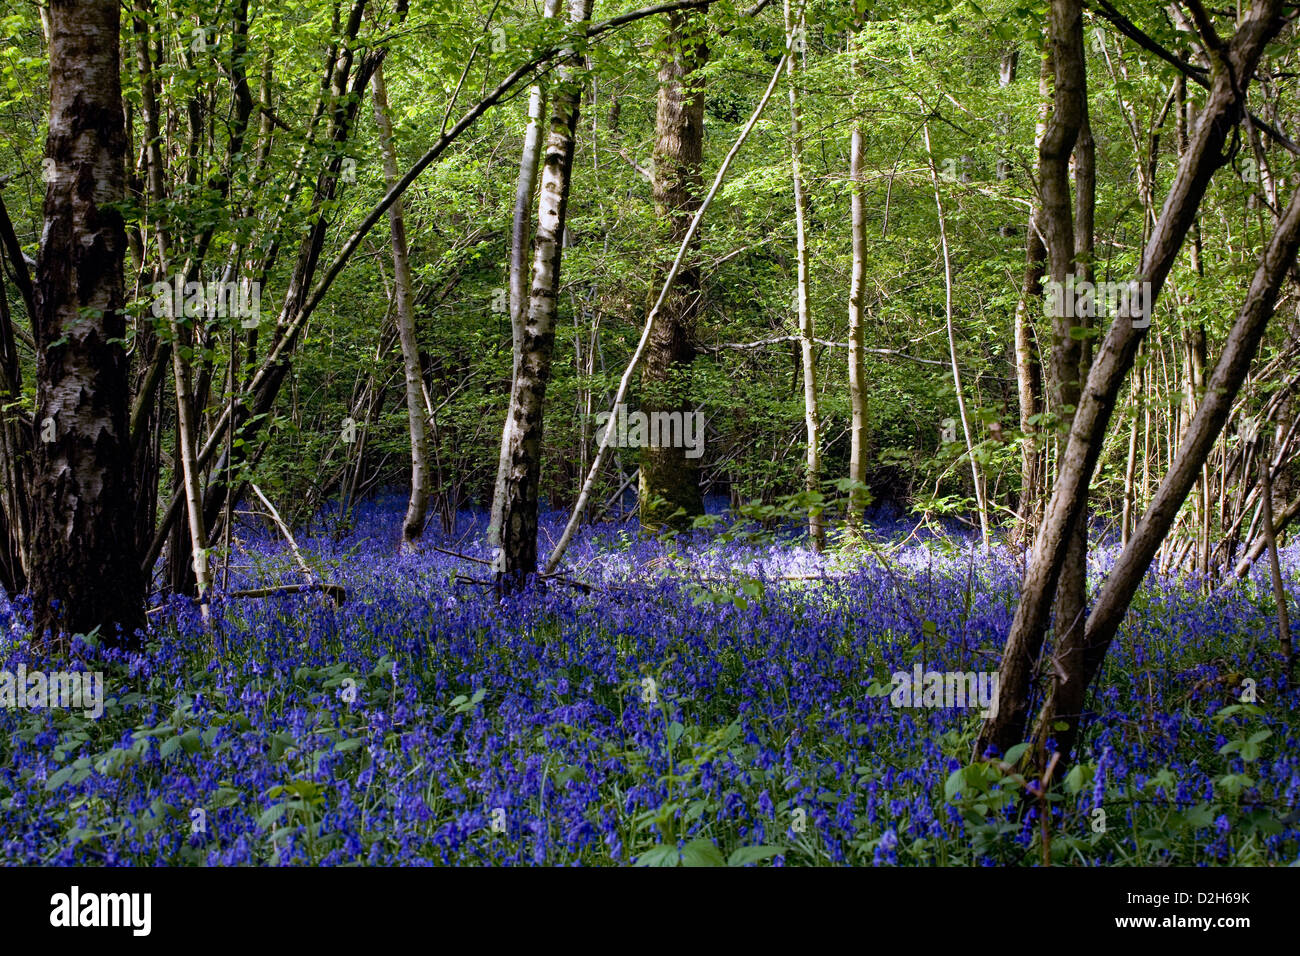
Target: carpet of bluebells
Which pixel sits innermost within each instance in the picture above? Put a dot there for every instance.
(711, 700)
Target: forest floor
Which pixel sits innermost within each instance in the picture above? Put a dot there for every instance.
(709, 702)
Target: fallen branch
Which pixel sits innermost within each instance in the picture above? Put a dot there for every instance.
(313, 583)
(284, 530)
(335, 591)
(457, 554)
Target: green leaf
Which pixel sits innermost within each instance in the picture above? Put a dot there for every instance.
(659, 855)
(1261, 821)
(702, 852)
(1199, 816)
(280, 742)
(60, 777)
(953, 786)
(1015, 753)
(1080, 776)
(753, 854)
(270, 815)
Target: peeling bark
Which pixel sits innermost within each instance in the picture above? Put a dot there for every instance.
(85, 573)
(524, 419)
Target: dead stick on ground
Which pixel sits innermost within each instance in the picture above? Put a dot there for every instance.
(335, 591)
(284, 530)
(457, 554)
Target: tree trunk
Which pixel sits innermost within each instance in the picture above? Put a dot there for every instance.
(185, 436)
(669, 488)
(417, 506)
(524, 419)
(1029, 371)
(1194, 351)
(520, 233)
(1229, 373)
(85, 572)
(1072, 592)
(1137, 393)
(977, 479)
(857, 341)
(1029, 389)
(1056, 219)
(15, 426)
(1204, 155)
(1275, 566)
(794, 31)
(198, 572)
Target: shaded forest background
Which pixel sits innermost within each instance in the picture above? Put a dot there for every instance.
(251, 157)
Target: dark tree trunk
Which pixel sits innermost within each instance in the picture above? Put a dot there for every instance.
(1222, 111)
(1229, 373)
(85, 570)
(1071, 600)
(1056, 218)
(670, 481)
(15, 425)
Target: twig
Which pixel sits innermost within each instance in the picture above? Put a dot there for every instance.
(779, 339)
(335, 591)
(284, 530)
(457, 554)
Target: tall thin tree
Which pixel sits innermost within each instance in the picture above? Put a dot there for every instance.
(525, 416)
(796, 42)
(857, 291)
(417, 505)
(521, 233)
